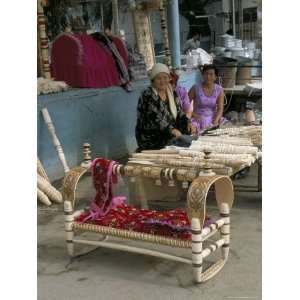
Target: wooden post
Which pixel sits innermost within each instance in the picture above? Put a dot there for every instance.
(197, 259)
(115, 12)
(69, 233)
(225, 229)
(43, 40)
(143, 36)
(164, 30)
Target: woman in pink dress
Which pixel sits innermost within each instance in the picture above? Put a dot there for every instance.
(208, 101)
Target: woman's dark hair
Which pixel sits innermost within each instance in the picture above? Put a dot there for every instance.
(209, 67)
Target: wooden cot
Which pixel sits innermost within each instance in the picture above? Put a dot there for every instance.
(199, 186)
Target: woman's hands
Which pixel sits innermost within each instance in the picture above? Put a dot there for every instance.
(216, 122)
(192, 129)
(176, 133)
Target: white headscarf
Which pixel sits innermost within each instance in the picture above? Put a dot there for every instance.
(161, 68)
(158, 68)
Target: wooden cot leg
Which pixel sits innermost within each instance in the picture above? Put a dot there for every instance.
(197, 249)
(69, 233)
(225, 229)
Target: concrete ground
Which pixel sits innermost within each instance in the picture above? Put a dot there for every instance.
(110, 274)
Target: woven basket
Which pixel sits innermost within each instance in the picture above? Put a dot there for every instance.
(227, 69)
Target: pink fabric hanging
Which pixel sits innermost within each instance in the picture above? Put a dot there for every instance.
(81, 62)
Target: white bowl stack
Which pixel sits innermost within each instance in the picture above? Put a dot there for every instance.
(235, 52)
(228, 46)
(227, 41)
(238, 43)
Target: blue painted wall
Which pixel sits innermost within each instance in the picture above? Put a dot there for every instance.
(105, 118)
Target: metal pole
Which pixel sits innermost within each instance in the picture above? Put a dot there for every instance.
(174, 32)
(233, 18)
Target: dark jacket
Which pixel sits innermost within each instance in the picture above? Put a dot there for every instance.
(155, 121)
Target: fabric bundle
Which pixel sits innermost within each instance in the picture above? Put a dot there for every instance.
(108, 210)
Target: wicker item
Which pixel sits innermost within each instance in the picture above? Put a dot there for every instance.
(196, 204)
(227, 69)
(243, 74)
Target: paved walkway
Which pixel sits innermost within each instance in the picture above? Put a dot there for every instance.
(109, 274)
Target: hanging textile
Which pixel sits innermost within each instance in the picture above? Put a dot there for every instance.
(119, 61)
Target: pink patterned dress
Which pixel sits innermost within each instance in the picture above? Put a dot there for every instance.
(206, 107)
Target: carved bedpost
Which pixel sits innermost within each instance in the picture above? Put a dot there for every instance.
(196, 211)
(196, 208)
(87, 158)
(68, 192)
(69, 233)
(43, 41)
(225, 229)
(225, 196)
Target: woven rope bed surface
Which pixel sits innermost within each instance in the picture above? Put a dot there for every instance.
(126, 234)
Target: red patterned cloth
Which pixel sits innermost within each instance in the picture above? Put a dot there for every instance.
(107, 210)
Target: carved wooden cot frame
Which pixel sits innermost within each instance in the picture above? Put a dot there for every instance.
(196, 208)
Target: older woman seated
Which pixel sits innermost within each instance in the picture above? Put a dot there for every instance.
(160, 120)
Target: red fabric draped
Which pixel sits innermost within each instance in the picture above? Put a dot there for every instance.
(82, 62)
(173, 223)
